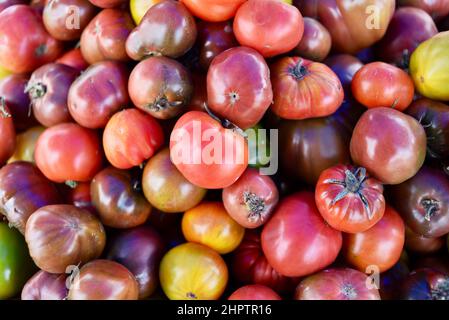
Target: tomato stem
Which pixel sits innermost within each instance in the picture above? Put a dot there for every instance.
(162, 103)
(3, 112)
(225, 122)
(255, 206)
(431, 207)
(299, 71)
(441, 291)
(36, 90)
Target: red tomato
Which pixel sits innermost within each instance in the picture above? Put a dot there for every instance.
(207, 154)
(381, 246)
(349, 199)
(68, 152)
(254, 292)
(131, 137)
(239, 87)
(25, 44)
(304, 89)
(74, 59)
(271, 27)
(213, 10)
(7, 133)
(297, 241)
(379, 84)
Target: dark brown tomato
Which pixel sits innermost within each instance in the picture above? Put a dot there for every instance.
(98, 93)
(166, 29)
(422, 245)
(160, 86)
(23, 190)
(116, 195)
(345, 67)
(79, 196)
(66, 19)
(316, 42)
(45, 286)
(60, 236)
(105, 36)
(7, 133)
(48, 89)
(150, 247)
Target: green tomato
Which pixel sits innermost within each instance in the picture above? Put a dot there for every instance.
(16, 265)
(258, 146)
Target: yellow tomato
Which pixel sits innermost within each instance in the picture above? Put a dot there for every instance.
(4, 72)
(140, 7)
(192, 271)
(210, 224)
(26, 142)
(429, 67)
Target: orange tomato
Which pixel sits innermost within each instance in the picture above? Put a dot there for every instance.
(210, 224)
(213, 10)
(192, 271)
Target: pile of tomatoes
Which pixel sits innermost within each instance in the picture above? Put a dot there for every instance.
(127, 164)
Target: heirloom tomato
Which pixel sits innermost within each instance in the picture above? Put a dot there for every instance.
(345, 67)
(422, 245)
(213, 10)
(254, 292)
(108, 3)
(25, 145)
(425, 284)
(316, 42)
(45, 286)
(74, 58)
(7, 133)
(438, 9)
(138, 8)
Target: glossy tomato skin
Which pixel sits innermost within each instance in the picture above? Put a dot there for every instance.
(119, 138)
(160, 86)
(166, 188)
(25, 144)
(7, 133)
(45, 286)
(379, 84)
(389, 144)
(74, 58)
(423, 202)
(79, 196)
(380, 246)
(138, 8)
(62, 235)
(58, 17)
(209, 224)
(23, 190)
(270, 27)
(408, 28)
(345, 67)
(336, 284)
(68, 152)
(8, 3)
(116, 196)
(192, 271)
(166, 29)
(98, 93)
(12, 89)
(349, 199)
(150, 247)
(104, 280)
(105, 36)
(48, 88)
(254, 292)
(316, 42)
(250, 266)
(295, 231)
(20, 50)
(16, 265)
(105, 4)
(419, 244)
(434, 117)
(304, 89)
(438, 9)
(251, 199)
(213, 10)
(213, 39)
(186, 146)
(425, 284)
(239, 87)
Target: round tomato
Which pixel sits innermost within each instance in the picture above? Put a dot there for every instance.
(254, 292)
(210, 225)
(201, 148)
(349, 199)
(7, 133)
(16, 265)
(269, 26)
(337, 284)
(304, 89)
(381, 246)
(192, 271)
(425, 284)
(25, 145)
(239, 87)
(213, 10)
(138, 8)
(122, 148)
(389, 144)
(316, 42)
(68, 152)
(379, 84)
(45, 286)
(422, 245)
(296, 240)
(74, 59)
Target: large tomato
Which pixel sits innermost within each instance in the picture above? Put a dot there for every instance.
(7, 133)
(304, 89)
(192, 271)
(213, 10)
(381, 246)
(349, 199)
(210, 225)
(239, 87)
(68, 152)
(269, 26)
(389, 144)
(297, 241)
(122, 148)
(207, 154)
(27, 45)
